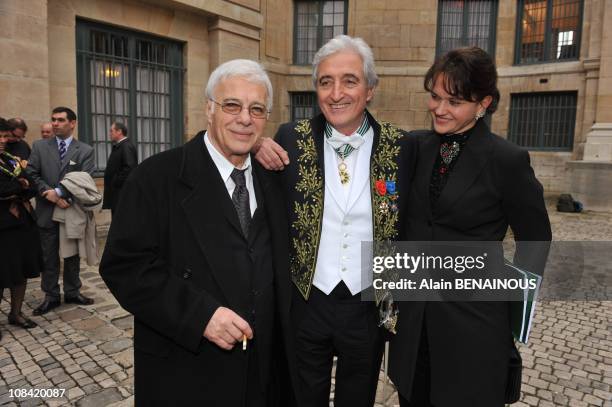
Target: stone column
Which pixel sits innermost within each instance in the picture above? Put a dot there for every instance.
(591, 177)
(24, 68)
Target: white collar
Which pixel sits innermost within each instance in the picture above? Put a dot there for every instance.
(224, 166)
(67, 141)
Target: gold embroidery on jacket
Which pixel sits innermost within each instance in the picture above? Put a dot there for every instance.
(308, 213)
(384, 167)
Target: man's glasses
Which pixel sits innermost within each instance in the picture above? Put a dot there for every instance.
(256, 110)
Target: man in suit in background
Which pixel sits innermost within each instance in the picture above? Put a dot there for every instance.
(122, 160)
(50, 160)
(197, 251)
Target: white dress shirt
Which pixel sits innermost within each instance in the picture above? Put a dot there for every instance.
(225, 168)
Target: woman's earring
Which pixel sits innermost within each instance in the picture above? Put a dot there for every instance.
(480, 115)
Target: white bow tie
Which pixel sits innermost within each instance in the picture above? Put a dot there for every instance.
(337, 141)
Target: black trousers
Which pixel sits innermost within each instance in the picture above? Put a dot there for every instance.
(338, 324)
(49, 239)
(421, 386)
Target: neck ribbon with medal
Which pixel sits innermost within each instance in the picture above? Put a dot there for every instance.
(345, 145)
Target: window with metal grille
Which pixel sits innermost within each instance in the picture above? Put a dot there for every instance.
(129, 77)
(315, 23)
(543, 121)
(466, 23)
(548, 30)
(304, 105)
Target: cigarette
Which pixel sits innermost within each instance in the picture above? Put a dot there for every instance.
(244, 342)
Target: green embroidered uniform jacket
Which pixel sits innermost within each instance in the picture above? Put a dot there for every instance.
(303, 183)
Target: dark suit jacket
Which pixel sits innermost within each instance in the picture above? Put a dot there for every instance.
(19, 148)
(303, 183)
(47, 171)
(171, 259)
(491, 187)
(122, 160)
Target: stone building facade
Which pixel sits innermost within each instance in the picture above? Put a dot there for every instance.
(110, 59)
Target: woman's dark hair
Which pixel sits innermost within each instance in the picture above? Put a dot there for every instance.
(469, 73)
(5, 125)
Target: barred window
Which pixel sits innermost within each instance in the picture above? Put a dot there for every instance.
(315, 23)
(304, 105)
(548, 30)
(466, 23)
(544, 121)
(132, 78)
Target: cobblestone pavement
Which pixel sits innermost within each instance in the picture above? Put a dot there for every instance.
(88, 350)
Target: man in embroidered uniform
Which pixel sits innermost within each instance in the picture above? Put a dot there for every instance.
(198, 252)
(332, 165)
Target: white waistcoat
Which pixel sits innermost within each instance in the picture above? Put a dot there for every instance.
(347, 221)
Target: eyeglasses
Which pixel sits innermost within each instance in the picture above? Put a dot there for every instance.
(256, 110)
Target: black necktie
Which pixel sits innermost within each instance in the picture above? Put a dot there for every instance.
(240, 198)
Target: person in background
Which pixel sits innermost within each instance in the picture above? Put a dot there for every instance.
(46, 130)
(19, 239)
(50, 160)
(122, 160)
(16, 144)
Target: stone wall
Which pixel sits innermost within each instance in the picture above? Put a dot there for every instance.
(24, 70)
(551, 170)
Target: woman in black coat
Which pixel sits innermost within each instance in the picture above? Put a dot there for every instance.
(19, 237)
(469, 185)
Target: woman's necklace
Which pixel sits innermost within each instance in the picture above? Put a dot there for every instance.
(449, 151)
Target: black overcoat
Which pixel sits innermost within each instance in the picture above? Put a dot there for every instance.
(492, 186)
(121, 161)
(172, 257)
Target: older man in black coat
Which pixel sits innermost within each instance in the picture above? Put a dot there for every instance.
(198, 253)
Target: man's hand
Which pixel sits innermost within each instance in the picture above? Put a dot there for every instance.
(50, 195)
(271, 155)
(62, 203)
(225, 328)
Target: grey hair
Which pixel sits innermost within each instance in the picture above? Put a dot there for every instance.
(250, 70)
(342, 43)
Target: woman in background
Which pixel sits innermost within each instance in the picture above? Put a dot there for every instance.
(21, 251)
(469, 185)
